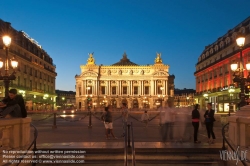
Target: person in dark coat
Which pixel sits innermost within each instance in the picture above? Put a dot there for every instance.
(196, 121)
(209, 121)
(13, 105)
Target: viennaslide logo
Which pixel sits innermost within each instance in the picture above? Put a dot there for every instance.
(237, 155)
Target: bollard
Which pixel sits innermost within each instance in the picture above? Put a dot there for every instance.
(54, 126)
(90, 119)
(129, 135)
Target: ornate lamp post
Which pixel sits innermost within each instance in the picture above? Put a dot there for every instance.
(239, 71)
(89, 106)
(7, 77)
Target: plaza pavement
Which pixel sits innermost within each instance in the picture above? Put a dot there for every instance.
(73, 131)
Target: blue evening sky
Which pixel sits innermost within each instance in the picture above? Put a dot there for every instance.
(70, 29)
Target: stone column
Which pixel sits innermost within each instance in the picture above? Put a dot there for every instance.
(142, 88)
(239, 130)
(152, 87)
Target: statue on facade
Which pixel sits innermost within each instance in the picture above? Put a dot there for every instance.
(91, 60)
(158, 58)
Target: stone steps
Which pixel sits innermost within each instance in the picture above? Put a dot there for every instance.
(144, 156)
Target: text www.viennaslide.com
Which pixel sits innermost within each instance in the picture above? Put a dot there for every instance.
(53, 161)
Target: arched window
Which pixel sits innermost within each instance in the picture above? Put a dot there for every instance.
(203, 56)
(234, 36)
(207, 54)
(227, 40)
(242, 30)
(211, 51)
(221, 45)
(216, 48)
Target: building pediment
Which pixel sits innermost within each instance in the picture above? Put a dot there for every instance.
(89, 74)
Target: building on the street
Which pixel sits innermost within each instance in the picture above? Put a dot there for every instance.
(184, 97)
(35, 74)
(214, 77)
(65, 99)
(140, 86)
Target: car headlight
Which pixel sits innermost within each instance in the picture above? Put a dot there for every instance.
(72, 111)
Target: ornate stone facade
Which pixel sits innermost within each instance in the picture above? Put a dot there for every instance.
(140, 86)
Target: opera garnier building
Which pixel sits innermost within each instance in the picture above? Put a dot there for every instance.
(139, 86)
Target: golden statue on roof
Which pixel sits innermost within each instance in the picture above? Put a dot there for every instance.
(158, 58)
(91, 60)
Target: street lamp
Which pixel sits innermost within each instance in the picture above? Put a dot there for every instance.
(104, 102)
(188, 101)
(145, 102)
(239, 71)
(7, 77)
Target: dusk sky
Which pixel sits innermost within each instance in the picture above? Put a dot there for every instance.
(178, 29)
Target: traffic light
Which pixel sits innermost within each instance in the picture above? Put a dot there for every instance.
(89, 102)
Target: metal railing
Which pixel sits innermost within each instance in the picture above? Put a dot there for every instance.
(127, 130)
(125, 144)
(133, 145)
(225, 140)
(32, 143)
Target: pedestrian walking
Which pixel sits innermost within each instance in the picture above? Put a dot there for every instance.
(196, 121)
(169, 119)
(209, 121)
(108, 122)
(145, 118)
(124, 117)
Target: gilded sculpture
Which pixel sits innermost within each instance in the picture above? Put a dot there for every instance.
(91, 60)
(158, 58)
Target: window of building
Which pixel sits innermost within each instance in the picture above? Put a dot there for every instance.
(124, 90)
(207, 54)
(113, 90)
(41, 75)
(215, 73)
(211, 51)
(24, 82)
(25, 67)
(103, 90)
(89, 90)
(226, 68)
(221, 45)
(146, 90)
(135, 90)
(31, 84)
(221, 70)
(159, 90)
(216, 48)
(226, 81)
